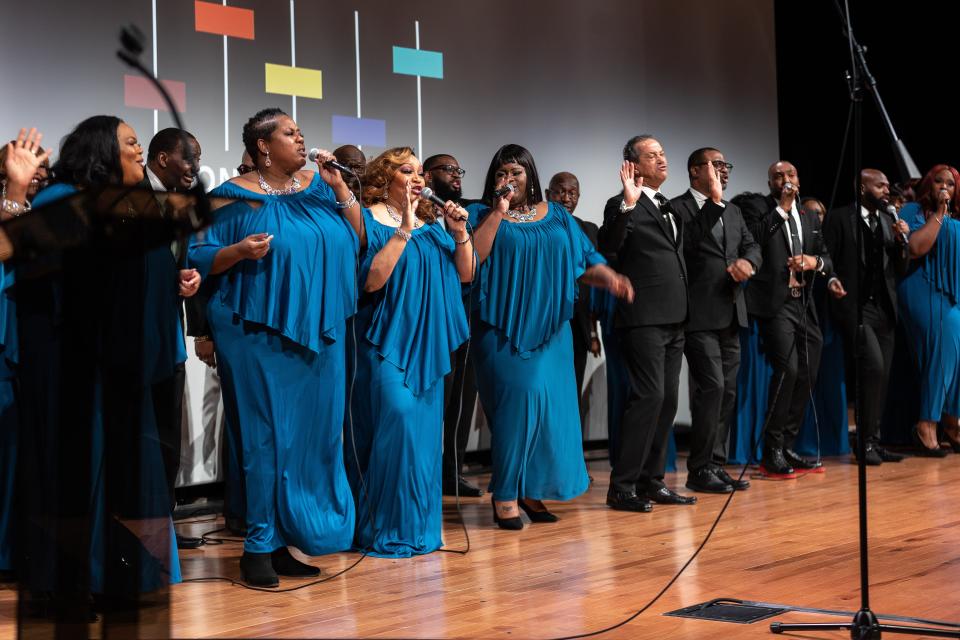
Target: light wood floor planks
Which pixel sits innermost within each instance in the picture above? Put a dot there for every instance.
(789, 542)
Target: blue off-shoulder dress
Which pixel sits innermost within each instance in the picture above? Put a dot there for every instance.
(405, 335)
(928, 299)
(524, 355)
(9, 421)
(278, 324)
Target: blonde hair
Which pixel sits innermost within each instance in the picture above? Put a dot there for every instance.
(379, 174)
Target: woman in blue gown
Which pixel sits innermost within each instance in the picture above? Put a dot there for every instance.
(23, 172)
(412, 320)
(532, 253)
(91, 350)
(929, 299)
(285, 258)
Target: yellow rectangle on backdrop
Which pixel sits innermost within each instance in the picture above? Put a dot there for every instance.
(294, 81)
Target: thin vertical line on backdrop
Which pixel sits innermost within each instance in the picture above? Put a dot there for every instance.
(356, 48)
(293, 54)
(226, 96)
(156, 72)
(416, 26)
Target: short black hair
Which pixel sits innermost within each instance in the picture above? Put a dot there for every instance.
(629, 151)
(260, 127)
(90, 154)
(432, 159)
(513, 153)
(699, 156)
(167, 141)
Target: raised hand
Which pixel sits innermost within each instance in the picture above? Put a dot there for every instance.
(788, 196)
(254, 246)
(715, 186)
(22, 160)
(455, 217)
(502, 204)
(632, 185)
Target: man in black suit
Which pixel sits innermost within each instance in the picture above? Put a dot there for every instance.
(643, 237)
(443, 174)
(565, 189)
(779, 297)
(718, 261)
(172, 167)
(870, 275)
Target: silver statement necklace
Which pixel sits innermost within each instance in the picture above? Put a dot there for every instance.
(285, 191)
(395, 215)
(524, 214)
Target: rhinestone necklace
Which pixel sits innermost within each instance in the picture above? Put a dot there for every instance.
(393, 213)
(270, 191)
(526, 214)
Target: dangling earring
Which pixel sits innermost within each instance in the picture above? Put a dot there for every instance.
(267, 161)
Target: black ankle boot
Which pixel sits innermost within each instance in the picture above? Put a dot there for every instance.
(286, 565)
(257, 570)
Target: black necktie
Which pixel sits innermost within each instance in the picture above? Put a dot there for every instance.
(872, 221)
(796, 248)
(666, 210)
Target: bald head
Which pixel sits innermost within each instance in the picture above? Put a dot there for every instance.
(780, 173)
(352, 158)
(564, 189)
(874, 189)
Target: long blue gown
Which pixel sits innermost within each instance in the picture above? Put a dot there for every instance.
(9, 423)
(279, 328)
(928, 299)
(524, 355)
(404, 339)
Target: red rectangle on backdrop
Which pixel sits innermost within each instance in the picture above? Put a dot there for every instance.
(225, 21)
(140, 92)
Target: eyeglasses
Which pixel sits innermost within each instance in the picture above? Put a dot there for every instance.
(449, 168)
(719, 164)
(245, 168)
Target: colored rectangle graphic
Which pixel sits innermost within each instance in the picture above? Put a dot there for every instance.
(348, 130)
(418, 62)
(294, 81)
(139, 92)
(222, 20)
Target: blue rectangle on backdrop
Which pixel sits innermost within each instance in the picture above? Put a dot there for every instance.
(417, 62)
(349, 130)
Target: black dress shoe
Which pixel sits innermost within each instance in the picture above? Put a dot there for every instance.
(871, 456)
(537, 516)
(187, 542)
(889, 456)
(286, 565)
(705, 480)
(797, 461)
(738, 485)
(624, 501)
(510, 524)
(464, 487)
(257, 570)
(774, 463)
(663, 495)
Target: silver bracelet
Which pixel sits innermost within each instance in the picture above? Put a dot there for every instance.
(403, 235)
(464, 241)
(352, 200)
(14, 208)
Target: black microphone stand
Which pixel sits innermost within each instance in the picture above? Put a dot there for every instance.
(865, 625)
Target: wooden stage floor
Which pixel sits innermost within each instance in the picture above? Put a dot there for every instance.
(788, 542)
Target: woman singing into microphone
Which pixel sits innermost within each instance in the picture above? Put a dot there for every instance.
(412, 320)
(533, 252)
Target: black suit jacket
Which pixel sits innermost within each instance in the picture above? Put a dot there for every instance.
(582, 314)
(770, 288)
(712, 291)
(641, 246)
(840, 234)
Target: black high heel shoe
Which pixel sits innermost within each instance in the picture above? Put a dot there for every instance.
(510, 524)
(924, 451)
(954, 444)
(537, 516)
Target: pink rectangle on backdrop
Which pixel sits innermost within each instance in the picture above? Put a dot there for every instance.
(140, 92)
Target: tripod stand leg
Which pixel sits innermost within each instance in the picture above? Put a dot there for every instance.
(779, 627)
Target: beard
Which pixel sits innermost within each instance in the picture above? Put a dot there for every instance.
(446, 192)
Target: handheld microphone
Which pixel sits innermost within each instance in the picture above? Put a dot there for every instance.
(504, 190)
(788, 187)
(892, 210)
(330, 164)
(428, 193)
